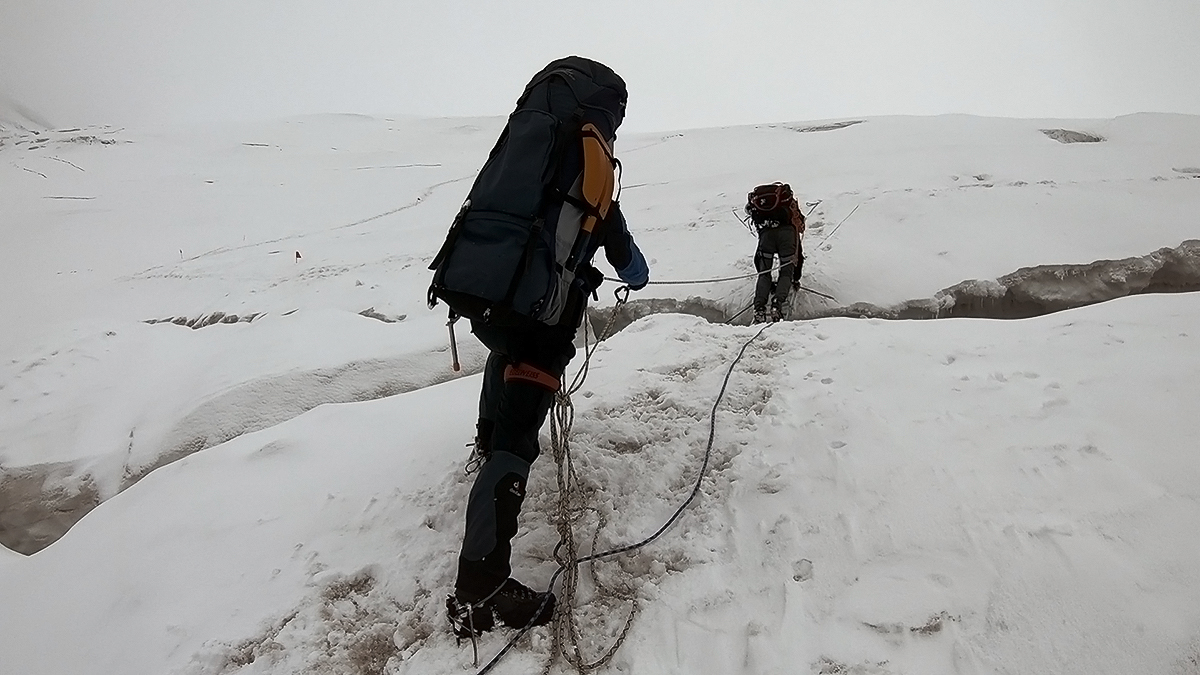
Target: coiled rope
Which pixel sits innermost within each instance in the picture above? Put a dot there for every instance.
(565, 630)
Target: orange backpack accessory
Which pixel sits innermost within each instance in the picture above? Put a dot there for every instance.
(796, 215)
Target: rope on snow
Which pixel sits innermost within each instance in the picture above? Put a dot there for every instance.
(565, 630)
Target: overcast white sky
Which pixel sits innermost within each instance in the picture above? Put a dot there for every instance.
(687, 63)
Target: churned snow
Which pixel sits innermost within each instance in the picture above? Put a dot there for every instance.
(883, 497)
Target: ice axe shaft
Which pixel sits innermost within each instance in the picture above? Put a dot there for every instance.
(453, 346)
(823, 295)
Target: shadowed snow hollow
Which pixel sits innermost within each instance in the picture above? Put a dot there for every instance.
(1028, 292)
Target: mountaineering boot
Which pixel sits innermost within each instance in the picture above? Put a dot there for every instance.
(519, 606)
(776, 314)
(760, 316)
(516, 604)
(468, 620)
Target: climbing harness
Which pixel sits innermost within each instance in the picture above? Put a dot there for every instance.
(565, 553)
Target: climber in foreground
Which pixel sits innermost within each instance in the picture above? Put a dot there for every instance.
(517, 264)
(777, 218)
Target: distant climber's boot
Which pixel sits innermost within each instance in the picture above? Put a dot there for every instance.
(760, 316)
(776, 314)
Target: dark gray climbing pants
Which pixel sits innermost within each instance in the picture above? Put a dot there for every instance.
(775, 241)
(519, 382)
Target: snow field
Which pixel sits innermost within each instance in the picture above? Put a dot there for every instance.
(888, 498)
(884, 497)
(365, 202)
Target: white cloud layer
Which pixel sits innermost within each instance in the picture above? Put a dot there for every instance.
(687, 64)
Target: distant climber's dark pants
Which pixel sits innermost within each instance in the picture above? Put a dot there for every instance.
(776, 241)
(515, 402)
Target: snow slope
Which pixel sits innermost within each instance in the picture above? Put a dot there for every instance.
(15, 117)
(181, 224)
(937, 497)
(946, 496)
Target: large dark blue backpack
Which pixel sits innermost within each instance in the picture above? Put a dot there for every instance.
(517, 247)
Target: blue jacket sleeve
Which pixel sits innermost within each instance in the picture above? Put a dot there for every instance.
(623, 253)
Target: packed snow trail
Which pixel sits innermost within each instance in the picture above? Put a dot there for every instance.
(570, 507)
(889, 497)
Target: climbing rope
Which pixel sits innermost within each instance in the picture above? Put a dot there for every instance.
(571, 504)
(828, 236)
(687, 282)
(744, 276)
(712, 433)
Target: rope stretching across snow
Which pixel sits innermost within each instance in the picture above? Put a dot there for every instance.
(706, 281)
(689, 282)
(565, 629)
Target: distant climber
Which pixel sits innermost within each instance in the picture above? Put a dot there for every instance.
(517, 263)
(777, 218)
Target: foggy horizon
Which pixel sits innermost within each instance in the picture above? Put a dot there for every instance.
(144, 62)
